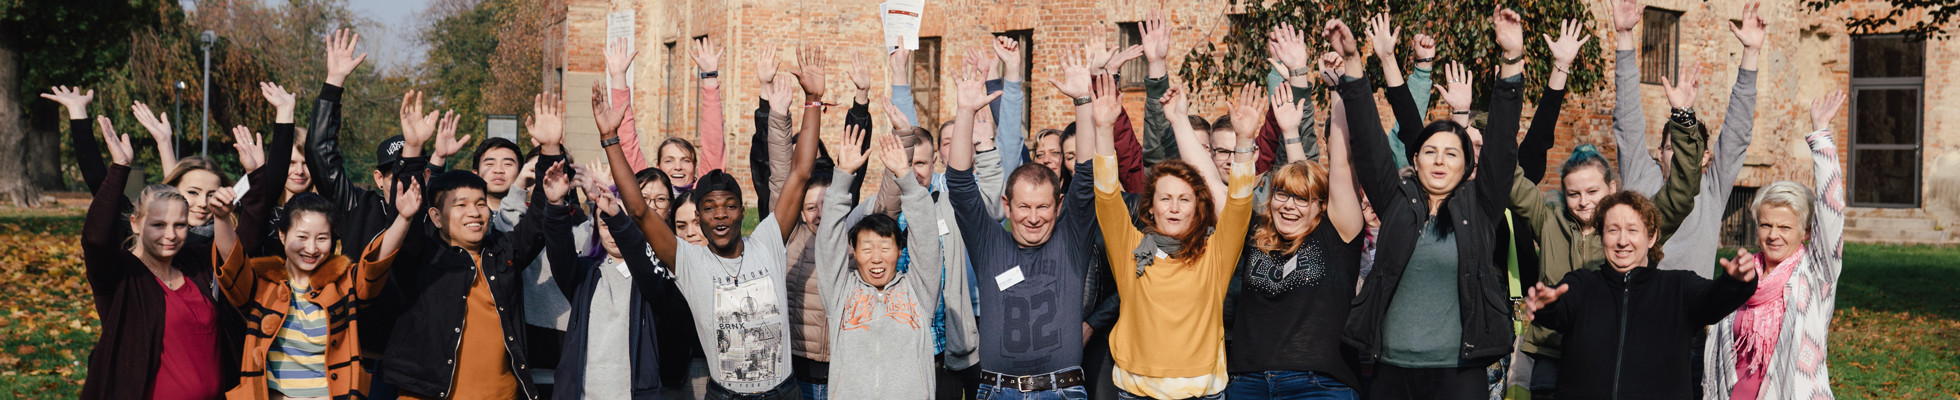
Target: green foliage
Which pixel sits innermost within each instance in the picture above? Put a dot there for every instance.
(462, 39)
(1939, 15)
(1462, 30)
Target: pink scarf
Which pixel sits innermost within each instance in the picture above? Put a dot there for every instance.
(1760, 320)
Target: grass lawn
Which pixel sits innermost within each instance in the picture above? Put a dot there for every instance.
(1896, 334)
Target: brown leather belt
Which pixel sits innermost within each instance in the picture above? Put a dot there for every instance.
(1033, 383)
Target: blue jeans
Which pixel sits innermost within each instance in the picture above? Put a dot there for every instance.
(1287, 385)
(813, 391)
(1126, 395)
(991, 392)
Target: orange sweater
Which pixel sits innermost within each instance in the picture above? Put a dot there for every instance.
(258, 289)
(1172, 319)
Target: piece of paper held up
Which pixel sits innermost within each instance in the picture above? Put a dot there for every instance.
(901, 20)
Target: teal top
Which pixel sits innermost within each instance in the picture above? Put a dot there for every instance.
(1423, 328)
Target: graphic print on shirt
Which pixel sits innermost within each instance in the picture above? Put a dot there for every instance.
(1032, 334)
(748, 330)
(899, 305)
(1275, 274)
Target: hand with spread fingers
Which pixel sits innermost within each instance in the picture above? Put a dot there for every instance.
(72, 99)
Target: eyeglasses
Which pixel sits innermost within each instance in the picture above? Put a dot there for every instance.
(1289, 198)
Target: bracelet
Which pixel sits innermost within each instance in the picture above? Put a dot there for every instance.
(710, 74)
(1509, 61)
(1300, 71)
(1246, 150)
(1567, 71)
(1426, 60)
(817, 103)
(1684, 116)
(1084, 100)
(609, 142)
(1293, 140)
(1462, 112)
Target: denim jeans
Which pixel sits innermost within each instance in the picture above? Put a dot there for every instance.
(991, 392)
(1288, 385)
(1126, 395)
(813, 391)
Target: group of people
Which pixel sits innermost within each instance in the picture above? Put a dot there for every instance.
(1220, 257)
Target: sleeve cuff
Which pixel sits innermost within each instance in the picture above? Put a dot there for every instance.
(1106, 174)
(330, 92)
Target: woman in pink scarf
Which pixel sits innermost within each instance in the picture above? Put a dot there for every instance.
(1773, 347)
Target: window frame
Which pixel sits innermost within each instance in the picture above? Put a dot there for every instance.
(1670, 50)
(1853, 147)
(926, 67)
(1137, 70)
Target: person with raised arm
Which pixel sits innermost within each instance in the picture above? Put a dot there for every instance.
(292, 298)
(1626, 322)
(735, 285)
(1423, 319)
(1775, 345)
(462, 333)
(1720, 164)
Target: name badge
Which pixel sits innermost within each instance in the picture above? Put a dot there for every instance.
(943, 230)
(1009, 279)
(621, 267)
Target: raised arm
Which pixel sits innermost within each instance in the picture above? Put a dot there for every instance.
(1343, 203)
(100, 235)
(1739, 122)
(159, 128)
(81, 135)
(714, 143)
(1506, 107)
(1639, 171)
(1159, 142)
(901, 78)
(545, 222)
(811, 74)
(1075, 85)
(659, 236)
(1382, 38)
(972, 97)
(379, 257)
(1544, 122)
(1011, 128)
(922, 241)
(1190, 150)
(619, 57)
(1375, 171)
(1419, 86)
(781, 148)
(324, 163)
(1827, 221)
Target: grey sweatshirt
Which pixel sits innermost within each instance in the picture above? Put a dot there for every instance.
(881, 340)
(1693, 246)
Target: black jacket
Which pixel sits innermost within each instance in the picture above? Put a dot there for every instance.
(578, 278)
(1629, 336)
(435, 277)
(362, 214)
(1475, 211)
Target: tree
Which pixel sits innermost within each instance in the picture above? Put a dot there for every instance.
(1939, 14)
(487, 56)
(1462, 30)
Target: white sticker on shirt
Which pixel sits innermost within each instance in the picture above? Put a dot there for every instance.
(621, 267)
(1161, 255)
(747, 336)
(1008, 279)
(943, 230)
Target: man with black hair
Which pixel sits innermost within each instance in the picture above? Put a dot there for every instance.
(497, 160)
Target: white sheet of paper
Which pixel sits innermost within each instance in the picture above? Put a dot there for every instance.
(1008, 279)
(901, 20)
(943, 230)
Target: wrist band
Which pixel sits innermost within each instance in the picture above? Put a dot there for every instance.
(1246, 150)
(1300, 71)
(1084, 100)
(1426, 60)
(817, 103)
(1567, 71)
(609, 142)
(1293, 140)
(710, 74)
(1463, 112)
(1684, 116)
(1509, 61)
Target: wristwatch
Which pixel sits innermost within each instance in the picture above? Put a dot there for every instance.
(1084, 100)
(1508, 61)
(710, 74)
(609, 142)
(1246, 150)
(1426, 60)
(1293, 140)
(1300, 71)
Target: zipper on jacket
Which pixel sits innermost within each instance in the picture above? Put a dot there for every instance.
(1619, 353)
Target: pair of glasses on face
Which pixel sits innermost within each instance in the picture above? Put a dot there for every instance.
(1289, 198)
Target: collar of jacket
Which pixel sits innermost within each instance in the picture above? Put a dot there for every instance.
(1634, 276)
(274, 269)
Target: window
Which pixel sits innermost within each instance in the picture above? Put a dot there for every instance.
(1026, 37)
(670, 106)
(1738, 221)
(1887, 99)
(1659, 38)
(925, 83)
(1137, 69)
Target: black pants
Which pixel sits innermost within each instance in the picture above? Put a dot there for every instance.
(952, 384)
(1460, 383)
(784, 391)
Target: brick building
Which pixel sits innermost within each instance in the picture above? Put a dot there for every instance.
(1900, 139)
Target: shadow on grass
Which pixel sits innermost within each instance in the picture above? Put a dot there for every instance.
(1906, 279)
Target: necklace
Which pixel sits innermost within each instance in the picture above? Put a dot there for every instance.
(732, 266)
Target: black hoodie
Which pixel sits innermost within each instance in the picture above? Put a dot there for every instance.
(1627, 336)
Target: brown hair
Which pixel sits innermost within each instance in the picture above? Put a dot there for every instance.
(1193, 240)
(195, 163)
(1650, 217)
(1305, 180)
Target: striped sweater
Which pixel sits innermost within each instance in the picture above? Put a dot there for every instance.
(1797, 368)
(258, 289)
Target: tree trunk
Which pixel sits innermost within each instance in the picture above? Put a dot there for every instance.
(17, 180)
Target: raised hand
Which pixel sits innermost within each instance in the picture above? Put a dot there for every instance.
(607, 203)
(900, 123)
(340, 56)
(1455, 87)
(583, 180)
(1750, 31)
(901, 66)
(219, 203)
(619, 57)
(1288, 111)
(547, 120)
(1075, 73)
(120, 152)
(1824, 109)
(448, 143)
(707, 57)
(978, 60)
(765, 64)
(417, 127)
(779, 94)
(1108, 102)
(1743, 266)
(1288, 45)
(408, 199)
(1571, 37)
(810, 70)
(1383, 36)
(893, 154)
(1009, 51)
(851, 154)
(1177, 104)
(861, 74)
(607, 119)
(1331, 65)
(556, 183)
(1248, 112)
(973, 93)
(529, 171)
(71, 98)
(1626, 15)
(1155, 30)
(1510, 32)
(1683, 96)
(251, 148)
(1341, 38)
(158, 124)
(1425, 46)
(1540, 297)
(282, 101)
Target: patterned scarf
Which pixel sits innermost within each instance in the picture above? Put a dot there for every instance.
(1760, 320)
